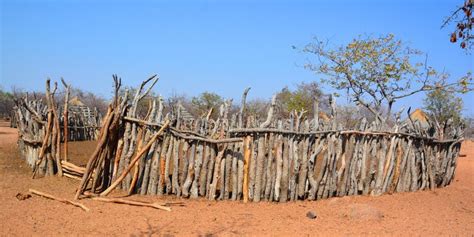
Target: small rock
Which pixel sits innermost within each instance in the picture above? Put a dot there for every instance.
(311, 215)
(21, 196)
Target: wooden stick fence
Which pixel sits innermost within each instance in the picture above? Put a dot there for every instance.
(273, 160)
(238, 157)
(42, 128)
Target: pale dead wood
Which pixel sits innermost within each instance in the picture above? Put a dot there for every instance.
(66, 119)
(65, 174)
(49, 196)
(72, 166)
(130, 202)
(134, 160)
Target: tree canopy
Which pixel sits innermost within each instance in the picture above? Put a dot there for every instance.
(443, 106)
(375, 72)
(6, 103)
(300, 99)
(207, 101)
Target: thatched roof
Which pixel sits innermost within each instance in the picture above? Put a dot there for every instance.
(420, 116)
(323, 116)
(76, 102)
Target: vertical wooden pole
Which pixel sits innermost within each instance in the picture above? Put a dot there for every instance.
(259, 167)
(245, 190)
(65, 119)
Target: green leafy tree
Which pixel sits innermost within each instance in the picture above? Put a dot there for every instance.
(205, 101)
(377, 72)
(300, 99)
(6, 103)
(443, 106)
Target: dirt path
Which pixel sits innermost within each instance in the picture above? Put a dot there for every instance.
(447, 211)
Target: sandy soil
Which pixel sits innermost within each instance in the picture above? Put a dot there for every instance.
(446, 211)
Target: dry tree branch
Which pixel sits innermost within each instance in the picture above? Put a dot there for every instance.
(130, 202)
(49, 196)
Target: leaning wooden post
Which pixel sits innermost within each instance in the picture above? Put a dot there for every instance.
(100, 145)
(44, 144)
(135, 159)
(66, 118)
(245, 189)
(57, 134)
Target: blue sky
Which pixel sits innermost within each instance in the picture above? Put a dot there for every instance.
(220, 46)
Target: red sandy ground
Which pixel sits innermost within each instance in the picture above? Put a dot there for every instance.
(446, 211)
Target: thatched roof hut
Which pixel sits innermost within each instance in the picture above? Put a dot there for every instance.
(420, 116)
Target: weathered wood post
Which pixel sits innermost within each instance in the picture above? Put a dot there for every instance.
(245, 189)
(66, 119)
(261, 153)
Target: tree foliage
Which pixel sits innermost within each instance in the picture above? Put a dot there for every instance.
(300, 99)
(443, 106)
(6, 103)
(469, 131)
(378, 71)
(205, 101)
(463, 18)
(257, 108)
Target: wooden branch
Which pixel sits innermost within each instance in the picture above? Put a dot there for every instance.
(348, 132)
(209, 113)
(36, 116)
(141, 122)
(269, 114)
(46, 141)
(279, 131)
(66, 119)
(31, 141)
(315, 113)
(72, 166)
(56, 132)
(155, 79)
(242, 106)
(81, 127)
(181, 134)
(208, 140)
(135, 159)
(71, 176)
(245, 189)
(215, 177)
(90, 163)
(49, 196)
(130, 202)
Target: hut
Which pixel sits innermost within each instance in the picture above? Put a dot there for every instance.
(83, 121)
